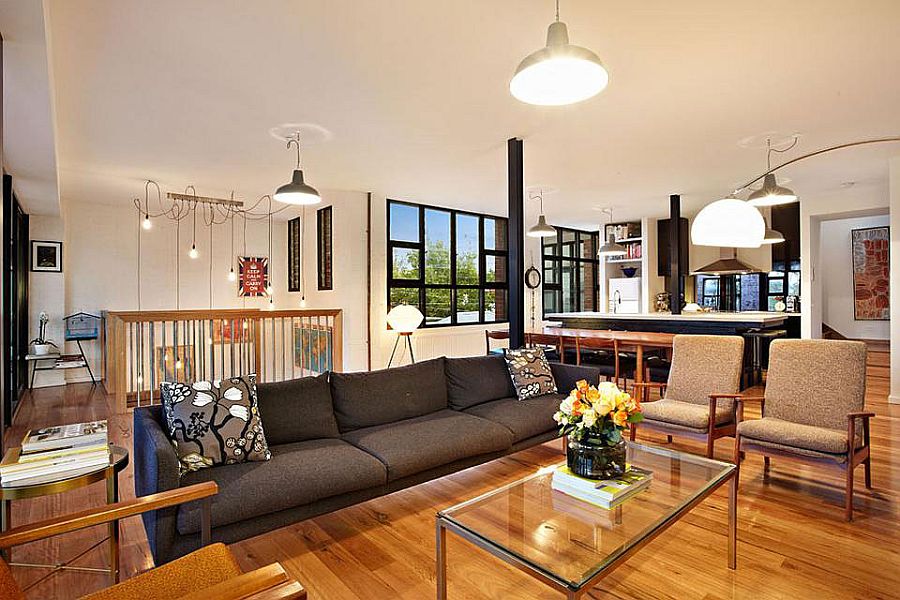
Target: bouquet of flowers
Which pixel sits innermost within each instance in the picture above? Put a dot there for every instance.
(602, 411)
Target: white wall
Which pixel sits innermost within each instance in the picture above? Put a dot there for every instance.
(894, 397)
(46, 293)
(837, 279)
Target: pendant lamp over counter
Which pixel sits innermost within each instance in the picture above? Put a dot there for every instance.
(730, 223)
(297, 191)
(559, 73)
(611, 248)
(541, 229)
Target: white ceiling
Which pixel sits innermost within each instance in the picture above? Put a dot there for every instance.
(415, 95)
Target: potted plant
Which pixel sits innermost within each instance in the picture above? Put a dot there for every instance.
(593, 418)
(40, 345)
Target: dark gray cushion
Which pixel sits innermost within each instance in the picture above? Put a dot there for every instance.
(477, 379)
(297, 410)
(524, 418)
(389, 395)
(422, 443)
(297, 474)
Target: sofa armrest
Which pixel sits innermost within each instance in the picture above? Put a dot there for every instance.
(567, 375)
(155, 471)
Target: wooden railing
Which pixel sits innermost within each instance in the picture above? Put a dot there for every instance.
(144, 348)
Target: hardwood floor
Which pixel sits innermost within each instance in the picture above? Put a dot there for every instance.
(793, 542)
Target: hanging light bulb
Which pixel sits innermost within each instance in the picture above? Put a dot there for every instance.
(269, 289)
(297, 191)
(559, 73)
(178, 363)
(302, 301)
(271, 303)
(147, 224)
(193, 252)
(232, 276)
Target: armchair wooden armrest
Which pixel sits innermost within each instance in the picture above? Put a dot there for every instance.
(113, 512)
(266, 582)
(861, 415)
(740, 399)
(732, 396)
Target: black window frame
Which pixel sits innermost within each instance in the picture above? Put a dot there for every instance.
(419, 283)
(576, 261)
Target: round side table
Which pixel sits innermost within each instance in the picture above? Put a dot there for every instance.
(118, 460)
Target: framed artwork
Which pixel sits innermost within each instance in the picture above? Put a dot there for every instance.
(323, 248)
(312, 347)
(253, 276)
(174, 364)
(46, 256)
(870, 250)
(294, 265)
(225, 331)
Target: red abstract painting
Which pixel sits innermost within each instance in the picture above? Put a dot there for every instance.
(870, 249)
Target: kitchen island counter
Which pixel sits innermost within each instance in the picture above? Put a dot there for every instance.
(723, 323)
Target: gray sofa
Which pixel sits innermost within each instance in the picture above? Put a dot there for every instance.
(342, 438)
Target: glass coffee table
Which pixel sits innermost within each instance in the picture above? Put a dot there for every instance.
(569, 544)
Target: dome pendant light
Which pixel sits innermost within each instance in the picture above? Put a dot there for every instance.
(541, 229)
(729, 223)
(559, 73)
(772, 194)
(297, 191)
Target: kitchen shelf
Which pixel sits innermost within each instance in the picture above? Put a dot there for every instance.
(631, 240)
(623, 260)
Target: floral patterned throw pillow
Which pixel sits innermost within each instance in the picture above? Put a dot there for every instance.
(530, 372)
(214, 422)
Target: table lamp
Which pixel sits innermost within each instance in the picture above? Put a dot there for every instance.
(404, 319)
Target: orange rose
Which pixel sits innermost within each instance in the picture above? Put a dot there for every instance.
(577, 408)
(620, 417)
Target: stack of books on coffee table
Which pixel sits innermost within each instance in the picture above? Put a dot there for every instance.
(55, 453)
(605, 493)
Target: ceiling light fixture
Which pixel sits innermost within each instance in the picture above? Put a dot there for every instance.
(611, 248)
(297, 191)
(772, 194)
(541, 229)
(729, 222)
(772, 236)
(559, 73)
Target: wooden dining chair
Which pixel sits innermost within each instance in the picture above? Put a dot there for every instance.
(547, 341)
(602, 354)
(494, 335)
(210, 572)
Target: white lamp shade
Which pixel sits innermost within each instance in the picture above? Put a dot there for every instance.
(404, 318)
(730, 223)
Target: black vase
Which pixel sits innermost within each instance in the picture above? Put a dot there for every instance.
(593, 458)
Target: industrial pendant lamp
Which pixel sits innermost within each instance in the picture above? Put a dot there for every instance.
(611, 248)
(542, 229)
(297, 191)
(730, 223)
(559, 73)
(772, 236)
(772, 194)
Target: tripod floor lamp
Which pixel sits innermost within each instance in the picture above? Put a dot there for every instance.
(404, 319)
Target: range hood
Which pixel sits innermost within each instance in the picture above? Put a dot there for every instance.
(728, 264)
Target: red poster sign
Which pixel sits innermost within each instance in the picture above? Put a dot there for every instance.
(253, 275)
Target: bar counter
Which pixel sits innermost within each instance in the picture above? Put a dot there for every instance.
(721, 323)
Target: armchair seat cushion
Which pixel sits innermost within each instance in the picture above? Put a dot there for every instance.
(297, 474)
(684, 414)
(524, 418)
(796, 435)
(415, 445)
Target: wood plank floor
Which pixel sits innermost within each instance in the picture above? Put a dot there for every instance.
(793, 542)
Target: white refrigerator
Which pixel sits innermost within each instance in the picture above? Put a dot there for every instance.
(625, 295)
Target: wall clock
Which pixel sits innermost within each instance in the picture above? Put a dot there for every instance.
(532, 277)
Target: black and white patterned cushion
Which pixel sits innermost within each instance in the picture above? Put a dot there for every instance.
(214, 422)
(530, 372)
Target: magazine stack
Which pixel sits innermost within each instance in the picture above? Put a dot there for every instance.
(55, 453)
(605, 493)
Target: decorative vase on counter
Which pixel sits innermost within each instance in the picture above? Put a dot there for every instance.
(593, 458)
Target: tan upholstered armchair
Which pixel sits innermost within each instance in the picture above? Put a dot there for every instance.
(698, 400)
(813, 405)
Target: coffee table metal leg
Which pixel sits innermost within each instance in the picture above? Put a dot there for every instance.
(441, 559)
(112, 496)
(732, 521)
(6, 516)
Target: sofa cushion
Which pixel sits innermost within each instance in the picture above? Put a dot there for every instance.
(421, 443)
(686, 414)
(297, 410)
(524, 418)
(797, 435)
(297, 474)
(377, 397)
(530, 372)
(477, 379)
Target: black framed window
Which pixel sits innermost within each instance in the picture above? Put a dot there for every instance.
(570, 267)
(450, 264)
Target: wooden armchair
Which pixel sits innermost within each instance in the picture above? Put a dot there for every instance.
(494, 335)
(210, 572)
(698, 400)
(813, 409)
(550, 342)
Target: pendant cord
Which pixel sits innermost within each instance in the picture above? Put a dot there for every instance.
(557, 11)
(210, 266)
(177, 263)
(139, 263)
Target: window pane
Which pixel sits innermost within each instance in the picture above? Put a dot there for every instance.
(405, 263)
(587, 286)
(495, 305)
(550, 301)
(551, 271)
(494, 269)
(467, 305)
(776, 286)
(437, 306)
(404, 296)
(793, 283)
(466, 250)
(404, 223)
(568, 243)
(437, 246)
(550, 247)
(749, 294)
(494, 234)
(795, 265)
(568, 286)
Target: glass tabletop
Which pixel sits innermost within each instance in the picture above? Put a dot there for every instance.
(572, 541)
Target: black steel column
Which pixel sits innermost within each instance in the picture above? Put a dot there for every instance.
(516, 272)
(676, 277)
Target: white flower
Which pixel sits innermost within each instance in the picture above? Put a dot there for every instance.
(566, 405)
(201, 386)
(239, 412)
(202, 399)
(234, 394)
(589, 417)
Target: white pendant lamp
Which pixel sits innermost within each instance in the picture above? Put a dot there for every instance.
(542, 229)
(559, 73)
(729, 223)
(297, 191)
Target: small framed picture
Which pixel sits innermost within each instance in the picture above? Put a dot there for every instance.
(46, 256)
